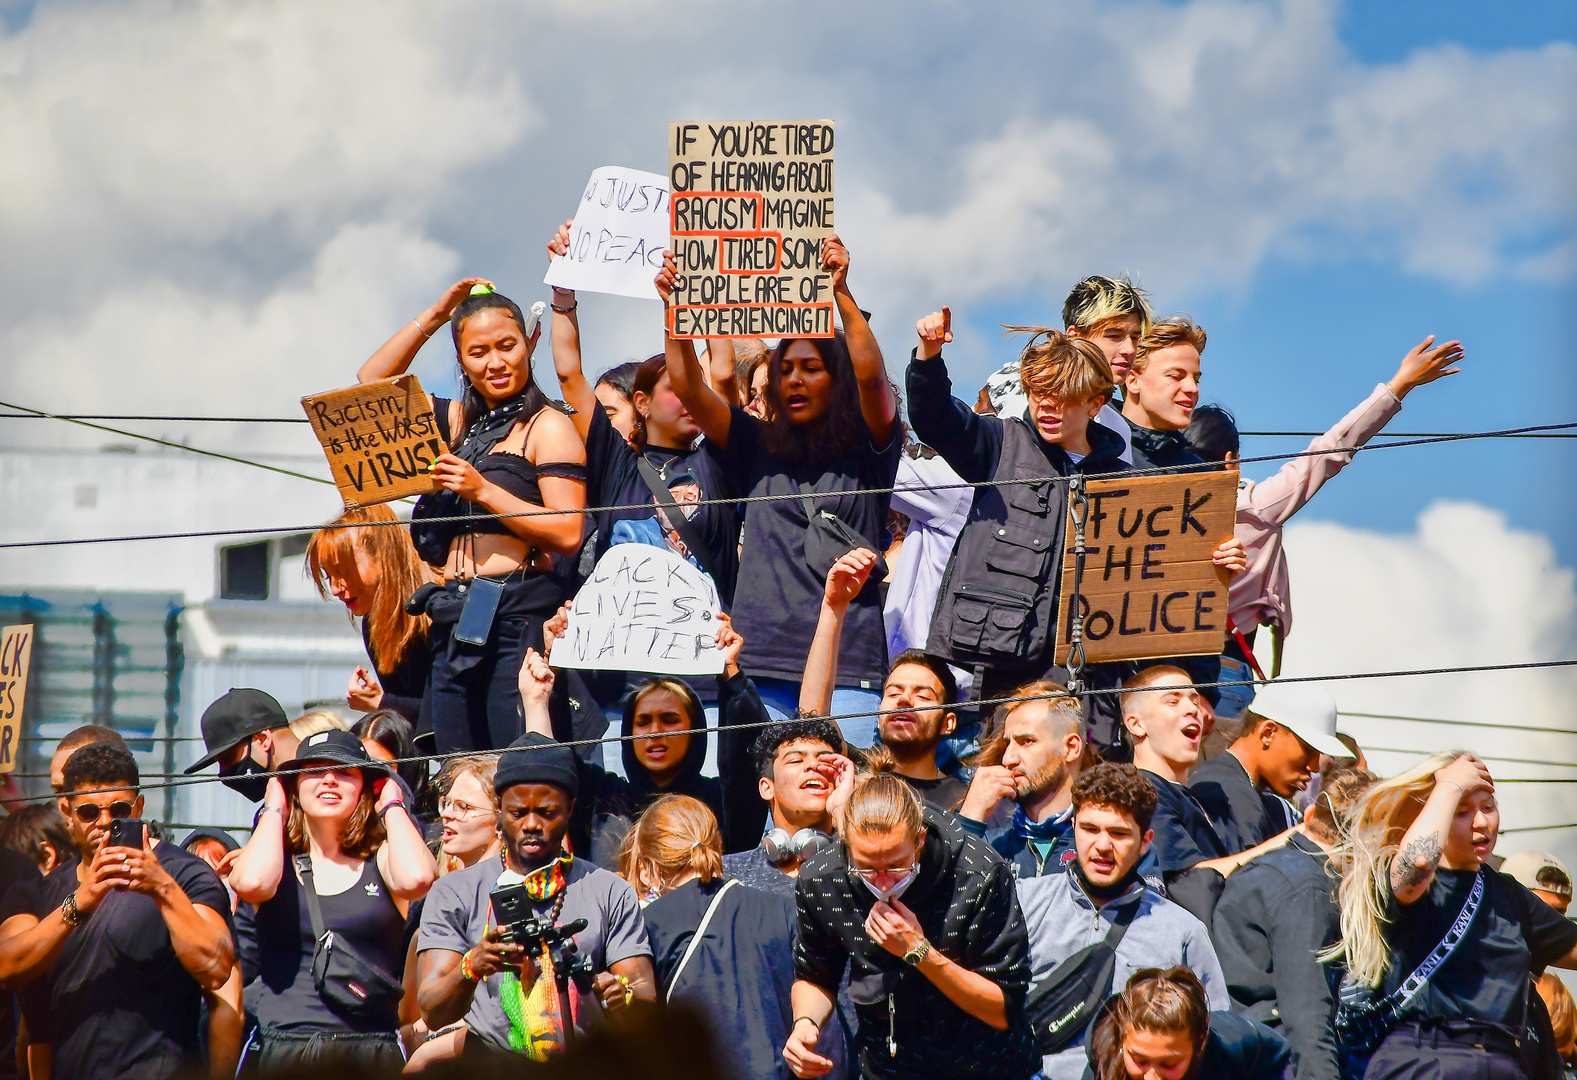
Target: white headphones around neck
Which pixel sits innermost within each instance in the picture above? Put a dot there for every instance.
(781, 848)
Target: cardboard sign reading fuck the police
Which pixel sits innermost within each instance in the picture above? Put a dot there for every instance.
(379, 437)
(751, 208)
(1149, 588)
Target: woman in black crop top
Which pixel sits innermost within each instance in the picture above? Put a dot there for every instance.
(344, 836)
(511, 452)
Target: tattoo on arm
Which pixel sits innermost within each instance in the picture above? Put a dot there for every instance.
(1415, 863)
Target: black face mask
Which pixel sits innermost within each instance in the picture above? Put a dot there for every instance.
(248, 777)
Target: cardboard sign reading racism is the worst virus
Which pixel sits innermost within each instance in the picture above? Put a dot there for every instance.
(752, 206)
(379, 437)
(1149, 588)
(16, 656)
(643, 609)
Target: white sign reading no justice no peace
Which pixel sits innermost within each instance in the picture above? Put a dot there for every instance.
(618, 237)
(643, 609)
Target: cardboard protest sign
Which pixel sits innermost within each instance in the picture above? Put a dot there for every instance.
(643, 609)
(379, 437)
(1149, 588)
(617, 239)
(752, 206)
(16, 655)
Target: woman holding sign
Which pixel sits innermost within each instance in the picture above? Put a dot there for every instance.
(832, 429)
(511, 452)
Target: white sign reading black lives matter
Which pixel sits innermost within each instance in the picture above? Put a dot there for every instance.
(751, 206)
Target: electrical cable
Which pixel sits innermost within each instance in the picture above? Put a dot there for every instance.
(1202, 466)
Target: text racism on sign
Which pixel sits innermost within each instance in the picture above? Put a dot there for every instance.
(379, 438)
(752, 206)
(16, 654)
(617, 239)
(1149, 588)
(643, 609)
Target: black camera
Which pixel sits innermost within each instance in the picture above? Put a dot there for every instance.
(519, 925)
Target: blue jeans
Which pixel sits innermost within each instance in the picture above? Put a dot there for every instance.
(1235, 700)
(781, 697)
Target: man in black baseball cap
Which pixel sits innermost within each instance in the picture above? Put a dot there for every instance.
(237, 728)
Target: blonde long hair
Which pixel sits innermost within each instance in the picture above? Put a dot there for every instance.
(1380, 818)
(676, 837)
(390, 628)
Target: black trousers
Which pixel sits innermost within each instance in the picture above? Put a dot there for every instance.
(1415, 1052)
(281, 1052)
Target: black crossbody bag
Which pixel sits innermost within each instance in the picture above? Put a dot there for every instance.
(347, 983)
(1060, 1008)
(675, 515)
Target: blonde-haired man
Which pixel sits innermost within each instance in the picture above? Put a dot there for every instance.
(997, 610)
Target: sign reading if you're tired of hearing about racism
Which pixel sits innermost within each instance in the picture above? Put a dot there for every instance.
(380, 437)
(1149, 588)
(644, 608)
(16, 656)
(751, 208)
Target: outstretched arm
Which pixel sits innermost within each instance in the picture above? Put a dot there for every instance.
(844, 583)
(1418, 855)
(877, 403)
(578, 391)
(710, 411)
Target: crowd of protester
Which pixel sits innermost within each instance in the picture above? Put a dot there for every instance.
(880, 876)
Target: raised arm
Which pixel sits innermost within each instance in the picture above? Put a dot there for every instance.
(260, 865)
(1274, 500)
(403, 859)
(29, 946)
(710, 410)
(967, 441)
(877, 403)
(396, 354)
(720, 357)
(844, 582)
(1418, 855)
(199, 935)
(578, 392)
(536, 687)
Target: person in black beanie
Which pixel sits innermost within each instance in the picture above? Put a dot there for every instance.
(467, 966)
(1067, 912)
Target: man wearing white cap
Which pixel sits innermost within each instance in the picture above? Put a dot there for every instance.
(1286, 730)
(1543, 875)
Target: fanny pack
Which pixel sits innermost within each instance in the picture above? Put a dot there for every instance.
(345, 981)
(1060, 1008)
(1363, 1021)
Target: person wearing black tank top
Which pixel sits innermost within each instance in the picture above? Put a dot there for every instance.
(511, 452)
(343, 837)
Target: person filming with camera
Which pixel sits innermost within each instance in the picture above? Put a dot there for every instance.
(519, 942)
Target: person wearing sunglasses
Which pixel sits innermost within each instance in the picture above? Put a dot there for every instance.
(113, 951)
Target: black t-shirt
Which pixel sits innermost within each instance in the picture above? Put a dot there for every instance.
(1244, 816)
(778, 598)
(15, 868)
(1515, 935)
(943, 793)
(1184, 836)
(117, 1002)
(614, 479)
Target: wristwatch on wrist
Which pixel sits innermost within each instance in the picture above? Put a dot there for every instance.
(917, 954)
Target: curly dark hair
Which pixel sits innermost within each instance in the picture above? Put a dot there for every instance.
(765, 749)
(840, 429)
(1121, 787)
(100, 765)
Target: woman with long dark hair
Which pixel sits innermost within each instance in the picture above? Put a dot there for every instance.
(1418, 887)
(832, 428)
(366, 561)
(1160, 1027)
(510, 452)
(334, 852)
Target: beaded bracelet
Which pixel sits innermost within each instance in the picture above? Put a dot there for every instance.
(466, 969)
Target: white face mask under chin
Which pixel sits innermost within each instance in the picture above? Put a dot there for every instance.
(892, 893)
